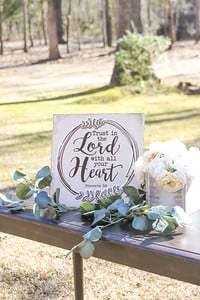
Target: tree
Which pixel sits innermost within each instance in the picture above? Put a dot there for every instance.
(59, 23)
(43, 21)
(52, 30)
(25, 28)
(172, 30)
(68, 24)
(1, 30)
(128, 17)
(197, 21)
(106, 23)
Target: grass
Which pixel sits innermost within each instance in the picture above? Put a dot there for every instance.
(31, 270)
(26, 125)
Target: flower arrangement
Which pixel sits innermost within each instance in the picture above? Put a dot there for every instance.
(169, 163)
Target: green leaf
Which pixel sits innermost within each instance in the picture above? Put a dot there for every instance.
(36, 210)
(45, 182)
(160, 225)
(133, 193)
(42, 199)
(44, 172)
(156, 212)
(87, 207)
(22, 191)
(140, 223)
(52, 212)
(18, 176)
(172, 222)
(105, 202)
(86, 249)
(94, 234)
(116, 204)
(99, 215)
(16, 208)
(56, 196)
(123, 209)
(180, 215)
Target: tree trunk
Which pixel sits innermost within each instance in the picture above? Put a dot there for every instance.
(43, 22)
(149, 14)
(1, 28)
(136, 5)
(77, 24)
(197, 39)
(25, 19)
(68, 24)
(109, 22)
(128, 17)
(52, 30)
(172, 30)
(59, 23)
(106, 23)
(29, 26)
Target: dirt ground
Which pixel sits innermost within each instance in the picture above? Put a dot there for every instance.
(88, 68)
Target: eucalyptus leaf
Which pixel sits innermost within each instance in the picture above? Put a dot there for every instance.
(105, 202)
(42, 199)
(86, 249)
(94, 234)
(52, 212)
(45, 182)
(116, 204)
(172, 222)
(180, 215)
(87, 207)
(36, 210)
(156, 212)
(133, 193)
(18, 176)
(16, 208)
(22, 191)
(99, 215)
(123, 209)
(56, 196)
(140, 223)
(44, 172)
(160, 225)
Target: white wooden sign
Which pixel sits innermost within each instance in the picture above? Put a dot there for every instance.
(93, 156)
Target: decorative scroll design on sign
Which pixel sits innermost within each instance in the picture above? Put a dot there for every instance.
(92, 123)
(91, 196)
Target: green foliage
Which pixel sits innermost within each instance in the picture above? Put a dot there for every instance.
(12, 9)
(143, 218)
(135, 56)
(44, 205)
(108, 211)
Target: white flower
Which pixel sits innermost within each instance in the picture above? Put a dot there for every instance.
(169, 163)
(139, 171)
(171, 182)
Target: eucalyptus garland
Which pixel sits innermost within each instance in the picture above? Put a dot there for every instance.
(128, 207)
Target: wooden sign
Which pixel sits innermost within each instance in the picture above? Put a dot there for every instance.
(93, 156)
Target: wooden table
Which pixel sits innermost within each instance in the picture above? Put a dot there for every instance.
(176, 257)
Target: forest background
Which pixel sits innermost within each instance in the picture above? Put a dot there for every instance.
(59, 57)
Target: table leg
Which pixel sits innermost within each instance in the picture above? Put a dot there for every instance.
(78, 276)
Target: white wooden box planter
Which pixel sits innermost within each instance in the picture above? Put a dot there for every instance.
(188, 197)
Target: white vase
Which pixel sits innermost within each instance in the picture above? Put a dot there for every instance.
(188, 197)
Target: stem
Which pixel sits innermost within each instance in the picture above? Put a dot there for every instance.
(112, 223)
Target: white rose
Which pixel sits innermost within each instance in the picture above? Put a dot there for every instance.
(139, 171)
(171, 182)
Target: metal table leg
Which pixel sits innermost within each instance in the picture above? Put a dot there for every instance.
(78, 276)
